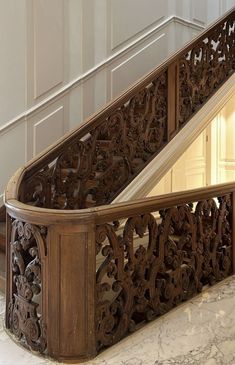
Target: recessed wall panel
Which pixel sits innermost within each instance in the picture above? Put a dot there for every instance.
(48, 130)
(48, 45)
(226, 174)
(199, 11)
(12, 59)
(213, 10)
(227, 132)
(12, 153)
(196, 180)
(138, 64)
(130, 17)
(228, 3)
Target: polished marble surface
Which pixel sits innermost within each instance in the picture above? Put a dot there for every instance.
(199, 332)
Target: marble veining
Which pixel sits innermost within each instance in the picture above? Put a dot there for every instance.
(199, 332)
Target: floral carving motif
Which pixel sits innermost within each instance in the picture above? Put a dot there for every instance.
(25, 318)
(150, 265)
(205, 67)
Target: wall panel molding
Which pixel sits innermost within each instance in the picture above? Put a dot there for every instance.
(46, 127)
(54, 123)
(199, 13)
(78, 81)
(12, 152)
(48, 45)
(127, 21)
(147, 56)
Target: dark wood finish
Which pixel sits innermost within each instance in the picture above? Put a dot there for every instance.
(57, 301)
(28, 244)
(98, 165)
(2, 272)
(173, 259)
(173, 100)
(2, 237)
(97, 162)
(71, 289)
(198, 240)
(3, 213)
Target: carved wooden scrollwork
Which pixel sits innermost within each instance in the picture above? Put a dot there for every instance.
(205, 67)
(99, 161)
(25, 312)
(146, 261)
(150, 265)
(95, 167)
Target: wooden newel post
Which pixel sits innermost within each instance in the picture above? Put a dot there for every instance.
(71, 292)
(173, 100)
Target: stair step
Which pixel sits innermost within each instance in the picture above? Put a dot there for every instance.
(2, 272)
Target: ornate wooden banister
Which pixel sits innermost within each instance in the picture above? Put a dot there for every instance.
(78, 280)
(93, 164)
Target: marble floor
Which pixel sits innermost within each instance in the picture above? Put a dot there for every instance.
(200, 332)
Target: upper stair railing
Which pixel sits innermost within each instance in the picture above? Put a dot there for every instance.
(76, 281)
(94, 164)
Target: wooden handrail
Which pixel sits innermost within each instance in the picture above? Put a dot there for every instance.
(78, 280)
(116, 210)
(127, 134)
(52, 151)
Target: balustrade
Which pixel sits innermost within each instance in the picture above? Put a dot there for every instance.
(83, 273)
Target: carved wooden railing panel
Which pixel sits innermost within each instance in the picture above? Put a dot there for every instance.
(176, 255)
(24, 313)
(93, 168)
(78, 280)
(204, 68)
(95, 164)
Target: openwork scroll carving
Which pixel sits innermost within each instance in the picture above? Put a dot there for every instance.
(205, 67)
(95, 167)
(25, 308)
(100, 160)
(152, 264)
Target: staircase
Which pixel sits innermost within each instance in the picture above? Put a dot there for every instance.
(83, 273)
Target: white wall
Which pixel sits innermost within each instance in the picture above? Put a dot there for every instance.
(61, 60)
(12, 59)
(222, 146)
(216, 7)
